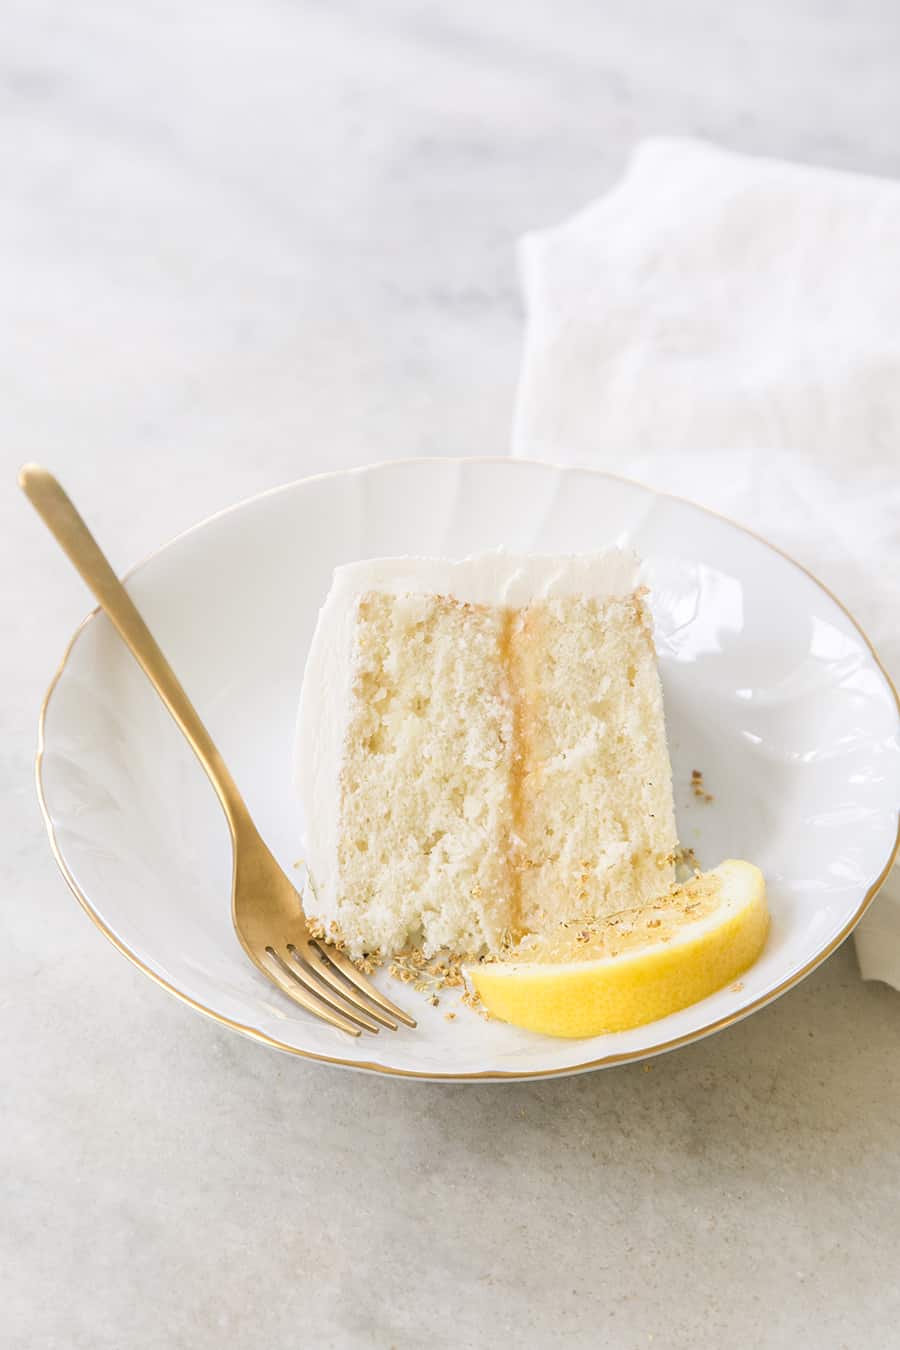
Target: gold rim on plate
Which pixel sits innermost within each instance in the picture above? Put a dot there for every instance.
(606, 1061)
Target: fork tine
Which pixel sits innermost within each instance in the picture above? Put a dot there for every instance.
(310, 961)
(310, 980)
(349, 971)
(295, 990)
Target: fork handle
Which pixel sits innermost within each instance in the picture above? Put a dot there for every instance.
(81, 548)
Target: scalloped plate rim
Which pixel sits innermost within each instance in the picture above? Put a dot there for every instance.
(489, 1075)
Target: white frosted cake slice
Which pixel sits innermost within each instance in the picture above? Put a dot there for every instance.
(481, 750)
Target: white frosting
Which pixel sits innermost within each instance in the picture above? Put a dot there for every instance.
(496, 578)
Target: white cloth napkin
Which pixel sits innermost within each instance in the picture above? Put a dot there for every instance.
(728, 328)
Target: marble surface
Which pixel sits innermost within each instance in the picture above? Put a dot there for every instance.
(248, 240)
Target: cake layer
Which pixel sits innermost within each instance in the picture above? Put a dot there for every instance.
(426, 816)
(481, 749)
(594, 805)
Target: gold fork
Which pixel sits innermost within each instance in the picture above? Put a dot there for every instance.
(266, 909)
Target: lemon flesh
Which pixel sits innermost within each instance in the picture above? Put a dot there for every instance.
(671, 954)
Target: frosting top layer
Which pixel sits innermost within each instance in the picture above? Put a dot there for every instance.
(496, 578)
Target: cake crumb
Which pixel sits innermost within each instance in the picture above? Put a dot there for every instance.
(736, 987)
(699, 788)
(428, 975)
(450, 1017)
(336, 937)
(685, 860)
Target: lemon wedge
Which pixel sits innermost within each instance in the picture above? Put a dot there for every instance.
(636, 966)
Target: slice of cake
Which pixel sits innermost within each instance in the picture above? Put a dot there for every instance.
(481, 750)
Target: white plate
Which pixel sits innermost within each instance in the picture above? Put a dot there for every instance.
(770, 688)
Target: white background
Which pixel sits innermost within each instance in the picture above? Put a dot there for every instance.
(241, 242)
